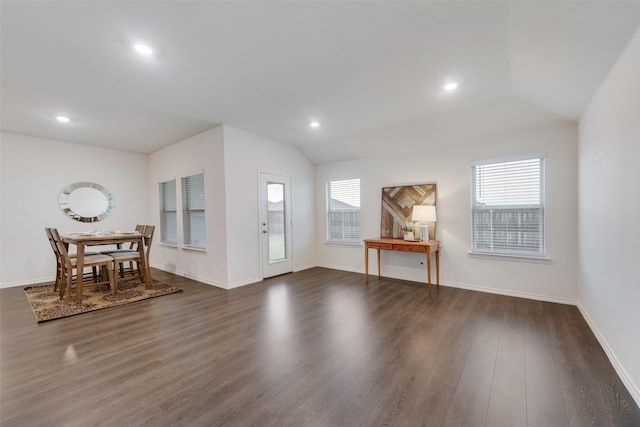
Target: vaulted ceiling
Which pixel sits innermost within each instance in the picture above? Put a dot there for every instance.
(358, 68)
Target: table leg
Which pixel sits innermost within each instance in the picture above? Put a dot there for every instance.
(366, 263)
(438, 267)
(143, 265)
(378, 262)
(79, 272)
(428, 268)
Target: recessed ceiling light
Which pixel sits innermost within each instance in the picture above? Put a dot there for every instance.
(143, 49)
(314, 124)
(63, 119)
(450, 86)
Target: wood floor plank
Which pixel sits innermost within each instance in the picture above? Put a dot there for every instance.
(510, 360)
(545, 403)
(318, 347)
(471, 400)
(585, 374)
(508, 402)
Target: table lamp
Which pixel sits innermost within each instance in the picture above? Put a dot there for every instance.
(422, 214)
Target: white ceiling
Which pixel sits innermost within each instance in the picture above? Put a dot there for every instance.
(360, 68)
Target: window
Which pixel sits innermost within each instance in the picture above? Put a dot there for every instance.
(168, 224)
(343, 211)
(508, 206)
(193, 210)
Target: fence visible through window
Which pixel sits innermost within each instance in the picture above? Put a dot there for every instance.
(508, 206)
(343, 211)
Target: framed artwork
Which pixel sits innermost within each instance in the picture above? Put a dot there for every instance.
(397, 207)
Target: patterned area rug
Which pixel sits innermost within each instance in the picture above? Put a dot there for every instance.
(46, 304)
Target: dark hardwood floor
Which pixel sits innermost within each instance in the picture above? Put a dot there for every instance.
(314, 348)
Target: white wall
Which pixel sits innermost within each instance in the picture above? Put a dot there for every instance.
(246, 155)
(449, 168)
(609, 215)
(202, 152)
(33, 172)
(1, 207)
(232, 160)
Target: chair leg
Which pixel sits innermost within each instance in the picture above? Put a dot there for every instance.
(113, 279)
(104, 276)
(58, 278)
(140, 272)
(62, 284)
(67, 295)
(62, 290)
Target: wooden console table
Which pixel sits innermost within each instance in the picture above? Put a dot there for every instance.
(426, 247)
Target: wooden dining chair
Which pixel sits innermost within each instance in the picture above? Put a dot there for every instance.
(132, 257)
(133, 246)
(70, 263)
(60, 265)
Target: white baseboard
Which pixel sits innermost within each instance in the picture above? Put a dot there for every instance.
(40, 281)
(190, 276)
(487, 289)
(633, 388)
(207, 281)
(341, 268)
(477, 288)
(244, 283)
(304, 267)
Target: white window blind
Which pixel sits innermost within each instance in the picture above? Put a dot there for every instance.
(168, 221)
(508, 206)
(193, 211)
(343, 211)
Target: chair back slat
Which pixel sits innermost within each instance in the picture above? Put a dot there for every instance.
(139, 229)
(62, 249)
(52, 242)
(147, 232)
(148, 238)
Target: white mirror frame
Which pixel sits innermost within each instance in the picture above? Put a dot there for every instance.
(68, 211)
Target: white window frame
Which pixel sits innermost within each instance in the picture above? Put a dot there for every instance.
(517, 234)
(164, 211)
(331, 211)
(187, 211)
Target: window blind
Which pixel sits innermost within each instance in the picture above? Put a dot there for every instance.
(343, 211)
(193, 211)
(168, 220)
(508, 206)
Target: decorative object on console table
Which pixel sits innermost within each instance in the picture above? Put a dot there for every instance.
(397, 206)
(408, 231)
(424, 214)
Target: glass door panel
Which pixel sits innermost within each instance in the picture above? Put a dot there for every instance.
(276, 220)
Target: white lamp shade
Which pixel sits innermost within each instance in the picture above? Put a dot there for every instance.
(423, 213)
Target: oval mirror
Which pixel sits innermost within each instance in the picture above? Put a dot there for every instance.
(86, 202)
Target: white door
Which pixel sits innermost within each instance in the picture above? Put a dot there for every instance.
(275, 224)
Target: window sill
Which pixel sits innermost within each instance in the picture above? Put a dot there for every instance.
(169, 245)
(510, 257)
(195, 249)
(328, 242)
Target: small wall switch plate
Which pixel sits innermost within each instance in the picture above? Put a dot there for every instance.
(24, 211)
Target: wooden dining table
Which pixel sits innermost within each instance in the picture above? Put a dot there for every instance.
(82, 240)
